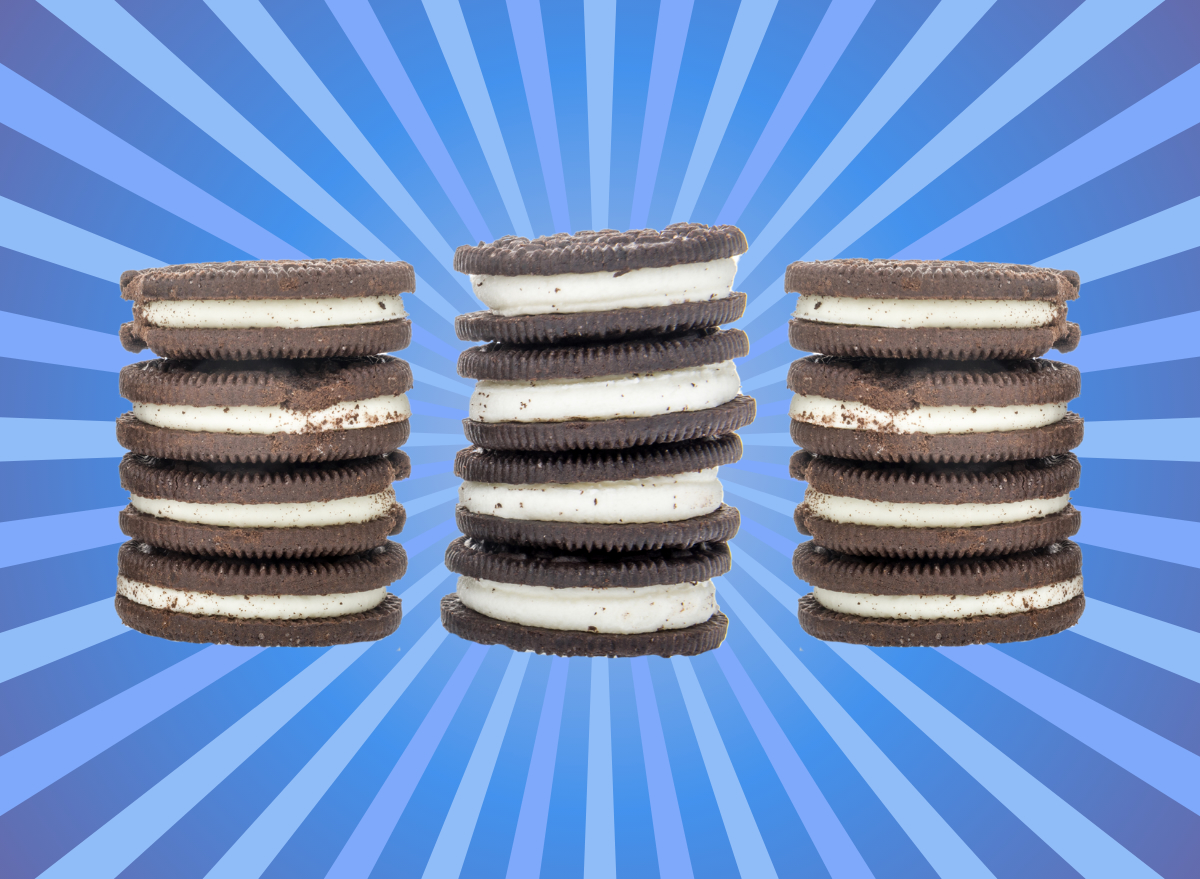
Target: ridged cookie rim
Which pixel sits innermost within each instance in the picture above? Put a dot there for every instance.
(268, 343)
(270, 279)
(929, 279)
(929, 343)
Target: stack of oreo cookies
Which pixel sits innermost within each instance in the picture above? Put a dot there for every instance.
(263, 447)
(936, 444)
(605, 400)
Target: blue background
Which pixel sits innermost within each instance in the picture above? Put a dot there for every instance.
(1036, 131)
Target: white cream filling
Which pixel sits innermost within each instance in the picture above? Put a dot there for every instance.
(603, 291)
(617, 610)
(314, 514)
(250, 607)
(229, 314)
(948, 607)
(976, 314)
(654, 499)
(886, 514)
(852, 415)
(612, 396)
(349, 415)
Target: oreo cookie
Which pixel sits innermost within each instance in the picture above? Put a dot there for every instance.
(941, 310)
(269, 309)
(314, 603)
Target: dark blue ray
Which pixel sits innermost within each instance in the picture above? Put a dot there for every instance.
(63, 295)
(1154, 588)
(636, 24)
(41, 390)
(1151, 391)
(563, 854)
(633, 822)
(565, 52)
(1158, 289)
(1152, 488)
(46, 488)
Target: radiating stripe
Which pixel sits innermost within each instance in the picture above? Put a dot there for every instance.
(419, 591)
(599, 32)
(47, 238)
(117, 844)
(669, 839)
(749, 850)
(529, 839)
(1155, 237)
(1168, 540)
(766, 439)
(749, 28)
(362, 850)
(774, 376)
(1155, 341)
(674, 16)
(1155, 760)
(436, 439)
(1083, 33)
(44, 537)
(1073, 837)
(949, 856)
(42, 117)
(838, 852)
(770, 501)
(40, 643)
(450, 850)
(366, 34)
(44, 341)
(254, 850)
(429, 295)
(838, 26)
(935, 39)
(599, 834)
(424, 376)
(429, 501)
(1169, 647)
(51, 439)
(122, 38)
(450, 28)
(1155, 439)
(38, 763)
(1157, 117)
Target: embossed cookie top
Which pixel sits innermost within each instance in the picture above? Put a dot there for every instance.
(270, 279)
(929, 279)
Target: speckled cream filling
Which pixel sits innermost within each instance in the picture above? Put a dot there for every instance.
(230, 314)
(250, 607)
(948, 607)
(852, 415)
(936, 313)
(887, 514)
(313, 514)
(349, 415)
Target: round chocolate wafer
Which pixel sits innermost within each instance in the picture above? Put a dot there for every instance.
(458, 619)
(265, 343)
(932, 342)
(270, 279)
(929, 279)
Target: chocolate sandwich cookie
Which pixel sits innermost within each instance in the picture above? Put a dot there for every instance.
(606, 395)
(935, 310)
(936, 511)
(587, 604)
(940, 604)
(602, 285)
(265, 411)
(262, 309)
(263, 510)
(934, 411)
(314, 603)
(643, 498)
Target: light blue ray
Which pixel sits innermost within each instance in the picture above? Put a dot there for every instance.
(1156, 439)
(427, 294)
(670, 842)
(1073, 837)
(599, 828)
(1157, 761)
(52, 439)
(1172, 648)
(945, 851)
(1155, 237)
(122, 38)
(117, 844)
(749, 850)
(749, 28)
(254, 850)
(263, 38)
(429, 501)
(44, 537)
(450, 28)
(838, 852)
(600, 36)
(776, 376)
(1083, 33)
(450, 850)
(1160, 115)
(439, 380)
(1168, 540)
(770, 501)
(935, 39)
(48, 640)
(530, 39)
(366, 34)
(838, 26)
(419, 591)
(766, 439)
(529, 839)
(760, 302)
(38, 763)
(780, 591)
(44, 118)
(44, 341)
(47, 238)
(1155, 341)
(436, 439)
(674, 16)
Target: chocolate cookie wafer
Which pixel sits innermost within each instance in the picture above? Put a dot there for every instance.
(940, 604)
(934, 411)
(314, 603)
(939, 310)
(269, 309)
